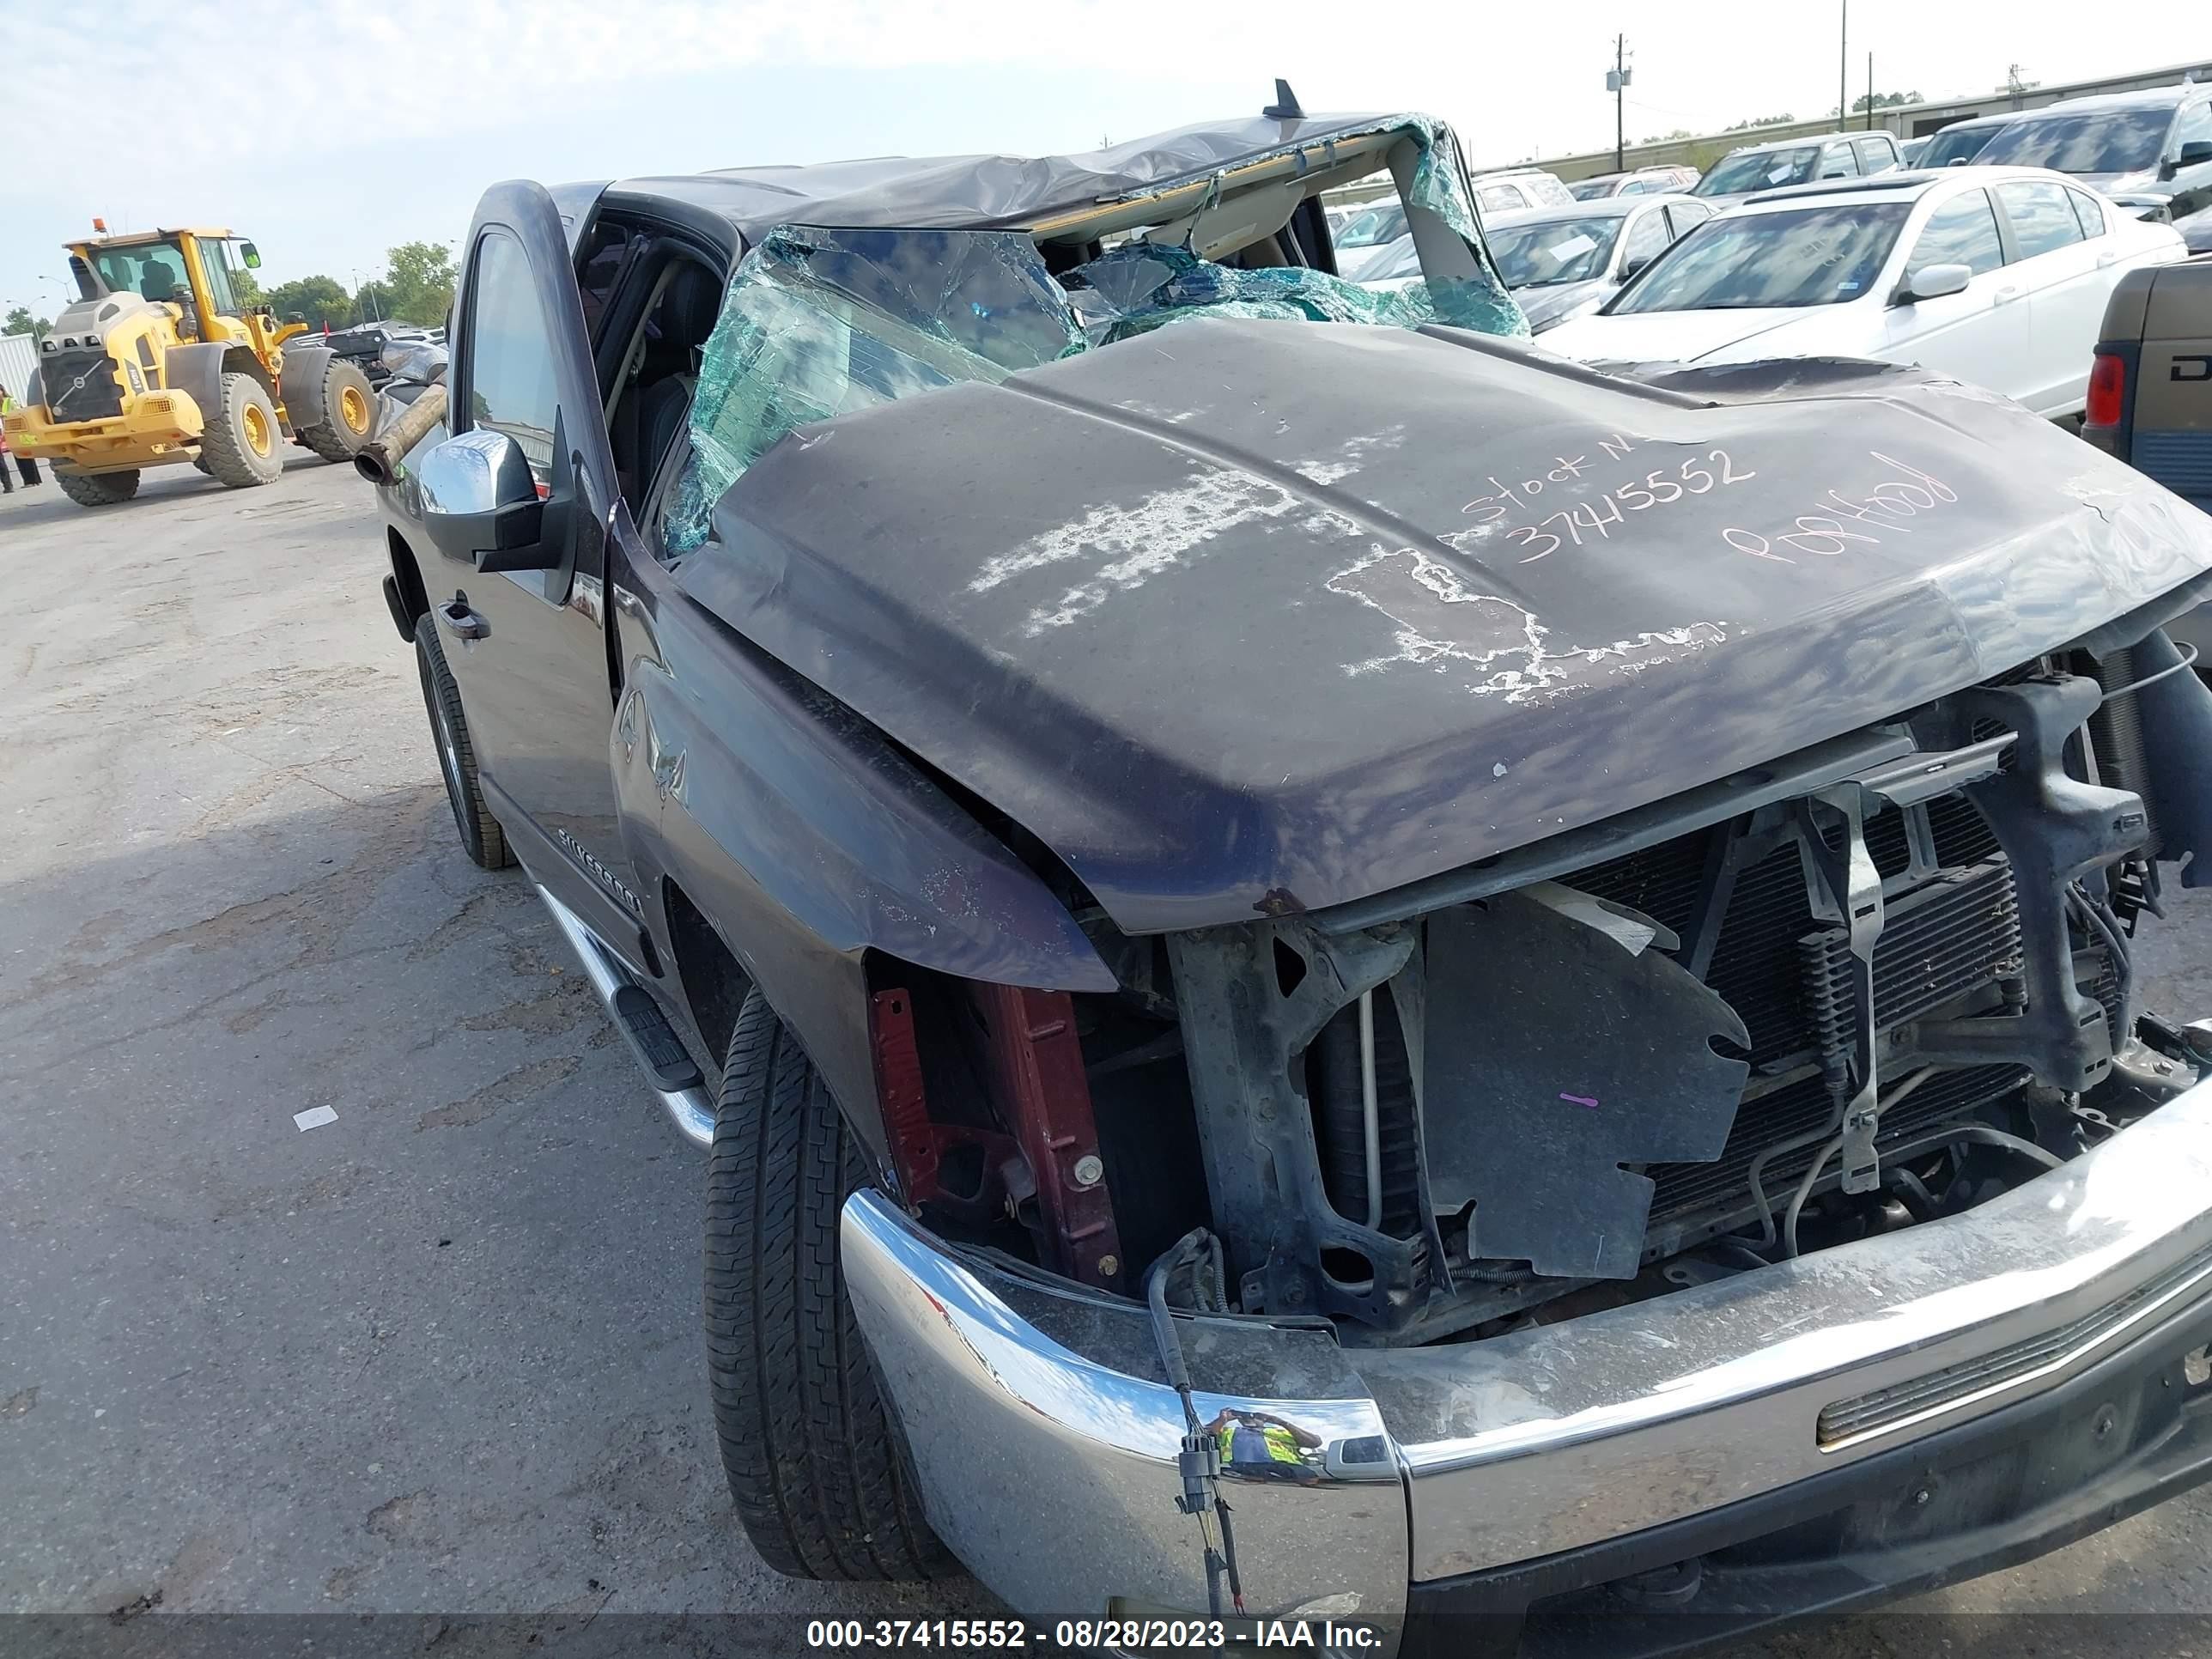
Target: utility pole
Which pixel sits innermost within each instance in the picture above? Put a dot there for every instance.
(1844, 69)
(1869, 92)
(1616, 82)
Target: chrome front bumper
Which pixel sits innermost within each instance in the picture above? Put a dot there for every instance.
(1044, 1436)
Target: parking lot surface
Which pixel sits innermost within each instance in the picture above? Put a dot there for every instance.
(441, 1354)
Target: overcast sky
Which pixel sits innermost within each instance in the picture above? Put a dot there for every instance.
(330, 131)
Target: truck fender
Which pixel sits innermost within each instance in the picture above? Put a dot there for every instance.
(808, 840)
(299, 387)
(196, 371)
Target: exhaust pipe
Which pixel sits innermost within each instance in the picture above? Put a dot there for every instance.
(378, 460)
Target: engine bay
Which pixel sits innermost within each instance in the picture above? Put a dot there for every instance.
(1834, 997)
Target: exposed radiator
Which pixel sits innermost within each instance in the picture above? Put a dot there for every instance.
(1690, 1194)
(1960, 931)
(1786, 973)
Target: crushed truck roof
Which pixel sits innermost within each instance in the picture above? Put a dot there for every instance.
(991, 192)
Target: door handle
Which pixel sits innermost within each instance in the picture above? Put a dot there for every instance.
(460, 621)
(2108, 256)
(2005, 296)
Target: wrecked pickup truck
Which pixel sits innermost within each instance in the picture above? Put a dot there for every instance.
(1331, 965)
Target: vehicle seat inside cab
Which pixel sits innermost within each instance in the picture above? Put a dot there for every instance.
(659, 397)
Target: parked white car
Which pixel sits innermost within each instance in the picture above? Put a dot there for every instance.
(1508, 190)
(1558, 262)
(1997, 276)
(1781, 162)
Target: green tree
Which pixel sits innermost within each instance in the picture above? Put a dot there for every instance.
(245, 288)
(20, 321)
(420, 282)
(316, 301)
(1760, 121)
(1885, 100)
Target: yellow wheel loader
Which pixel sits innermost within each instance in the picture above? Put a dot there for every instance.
(157, 361)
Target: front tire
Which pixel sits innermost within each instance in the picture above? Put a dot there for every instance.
(812, 1453)
(349, 413)
(240, 444)
(98, 489)
(482, 838)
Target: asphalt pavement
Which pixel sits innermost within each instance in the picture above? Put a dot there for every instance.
(442, 1354)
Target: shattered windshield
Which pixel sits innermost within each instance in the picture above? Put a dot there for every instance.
(822, 322)
(1134, 289)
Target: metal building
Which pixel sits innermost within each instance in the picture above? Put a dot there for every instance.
(1906, 121)
(18, 355)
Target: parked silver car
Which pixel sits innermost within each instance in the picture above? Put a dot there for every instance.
(1561, 262)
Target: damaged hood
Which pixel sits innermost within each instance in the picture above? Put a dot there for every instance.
(1256, 616)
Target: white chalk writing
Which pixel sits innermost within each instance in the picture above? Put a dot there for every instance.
(1824, 533)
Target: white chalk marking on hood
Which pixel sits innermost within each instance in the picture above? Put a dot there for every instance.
(315, 1118)
(1439, 620)
(1143, 539)
(1167, 523)
(1349, 456)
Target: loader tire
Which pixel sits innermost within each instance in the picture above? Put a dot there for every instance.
(349, 413)
(240, 443)
(482, 838)
(813, 1456)
(98, 489)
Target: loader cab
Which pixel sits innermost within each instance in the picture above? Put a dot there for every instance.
(195, 270)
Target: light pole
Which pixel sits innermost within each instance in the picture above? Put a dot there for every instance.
(1844, 69)
(1616, 82)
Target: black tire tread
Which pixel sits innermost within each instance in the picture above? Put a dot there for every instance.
(482, 838)
(230, 459)
(98, 489)
(810, 1451)
(330, 437)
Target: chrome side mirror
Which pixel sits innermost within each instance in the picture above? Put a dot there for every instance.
(480, 500)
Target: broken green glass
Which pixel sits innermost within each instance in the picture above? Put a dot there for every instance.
(1136, 287)
(820, 323)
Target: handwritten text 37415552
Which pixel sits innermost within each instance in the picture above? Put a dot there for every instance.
(1661, 487)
